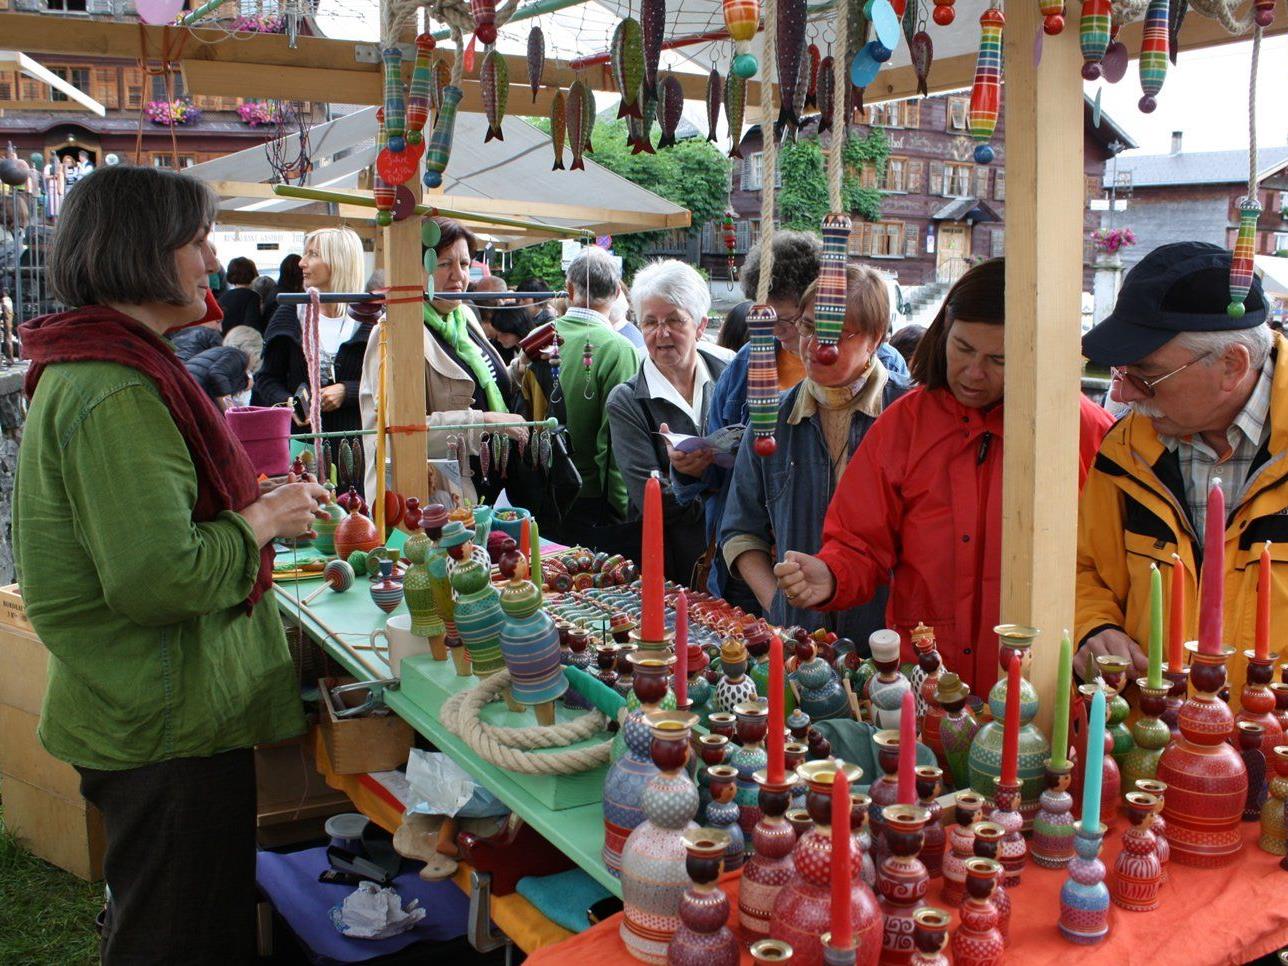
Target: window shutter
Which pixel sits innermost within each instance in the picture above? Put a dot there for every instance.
(911, 240)
(999, 185)
(936, 186)
(998, 243)
(746, 174)
(912, 113)
(916, 177)
(981, 182)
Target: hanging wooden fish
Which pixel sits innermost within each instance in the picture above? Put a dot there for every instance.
(670, 107)
(442, 78)
(1052, 16)
(921, 50)
(826, 94)
(986, 92)
(505, 457)
(715, 94)
(910, 17)
(588, 117)
(346, 462)
(495, 81)
(382, 190)
(1153, 54)
(626, 59)
(790, 48)
(1093, 36)
(422, 82)
(576, 126)
(735, 98)
(536, 60)
(634, 132)
(558, 118)
(1175, 20)
(653, 23)
(497, 440)
(439, 150)
(644, 145)
(484, 14)
(811, 89)
(762, 379)
(485, 455)
(742, 20)
(1242, 264)
(802, 89)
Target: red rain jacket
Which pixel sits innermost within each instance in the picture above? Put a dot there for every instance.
(920, 506)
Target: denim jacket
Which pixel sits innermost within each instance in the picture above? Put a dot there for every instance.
(782, 499)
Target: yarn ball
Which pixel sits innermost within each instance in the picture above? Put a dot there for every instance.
(358, 561)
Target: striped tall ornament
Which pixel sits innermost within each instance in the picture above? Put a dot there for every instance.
(762, 378)
(829, 302)
(742, 20)
(1154, 53)
(422, 83)
(440, 142)
(1093, 36)
(986, 92)
(383, 190)
(1244, 250)
(395, 104)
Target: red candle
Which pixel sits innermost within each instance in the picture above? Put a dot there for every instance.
(1176, 627)
(525, 540)
(682, 651)
(1212, 587)
(908, 751)
(653, 623)
(1263, 604)
(1011, 723)
(774, 740)
(842, 869)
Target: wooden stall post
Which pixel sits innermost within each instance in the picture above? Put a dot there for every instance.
(1044, 243)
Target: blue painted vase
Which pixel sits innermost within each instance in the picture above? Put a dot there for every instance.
(1084, 897)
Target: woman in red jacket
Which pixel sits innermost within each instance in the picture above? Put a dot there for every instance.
(920, 503)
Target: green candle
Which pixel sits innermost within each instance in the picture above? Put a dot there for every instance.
(536, 553)
(1060, 723)
(1155, 627)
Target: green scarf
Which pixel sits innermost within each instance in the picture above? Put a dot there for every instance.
(454, 330)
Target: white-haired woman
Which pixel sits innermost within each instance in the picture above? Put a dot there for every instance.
(671, 392)
(332, 262)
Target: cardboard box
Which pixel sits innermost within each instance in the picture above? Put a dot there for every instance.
(25, 662)
(12, 610)
(23, 757)
(288, 786)
(65, 833)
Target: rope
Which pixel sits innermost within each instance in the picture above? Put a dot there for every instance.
(769, 154)
(313, 360)
(836, 151)
(512, 749)
(1252, 114)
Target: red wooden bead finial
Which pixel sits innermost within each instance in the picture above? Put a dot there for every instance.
(826, 354)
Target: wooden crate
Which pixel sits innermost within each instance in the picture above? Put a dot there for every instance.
(12, 610)
(65, 832)
(359, 745)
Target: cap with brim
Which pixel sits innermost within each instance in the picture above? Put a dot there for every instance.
(1140, 324)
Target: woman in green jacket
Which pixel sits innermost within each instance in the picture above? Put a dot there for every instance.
(143, 548)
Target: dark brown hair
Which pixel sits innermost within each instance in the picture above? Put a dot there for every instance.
(117, 234)
(450, 231)
(242, 271)
(867, 302)
(978, 296)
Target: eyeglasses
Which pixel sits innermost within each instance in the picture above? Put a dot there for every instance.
(1146, 387)
(672, 324)
(807, 331)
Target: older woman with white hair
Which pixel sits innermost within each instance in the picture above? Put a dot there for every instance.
(671, 392)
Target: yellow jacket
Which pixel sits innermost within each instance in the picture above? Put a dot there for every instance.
(1131, 515)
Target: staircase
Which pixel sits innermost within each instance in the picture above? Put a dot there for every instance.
(924, 302)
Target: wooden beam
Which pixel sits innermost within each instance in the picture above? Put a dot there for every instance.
(293, 221)
(1044, 159)
(16, 105)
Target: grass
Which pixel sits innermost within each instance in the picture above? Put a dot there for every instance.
(46, 914)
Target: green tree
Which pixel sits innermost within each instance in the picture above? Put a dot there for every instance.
(545, 261)
(802, 199)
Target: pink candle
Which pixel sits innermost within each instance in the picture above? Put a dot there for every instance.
(1263, 605)
(842, 870)
(1176, 623)
(1011, 723)
(1211, 598)
(908, 751)
(653, 622)
(774, 740)
(682, 651)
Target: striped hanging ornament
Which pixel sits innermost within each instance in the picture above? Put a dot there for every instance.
(829, 302)
(483, 13)
(440, 142)
(383, 190)
(762, 378)
(1244, 250)
(395, 105)
(1153, 53)
(730, 243)
(985, 93)
(1093, 36)
(1052, 16)
(422, 83)
(742, 19)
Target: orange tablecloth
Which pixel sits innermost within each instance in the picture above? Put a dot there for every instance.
(1207, 917)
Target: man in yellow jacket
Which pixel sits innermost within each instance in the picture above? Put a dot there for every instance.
(1208, 398)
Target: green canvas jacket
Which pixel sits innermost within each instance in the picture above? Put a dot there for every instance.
(152, 653)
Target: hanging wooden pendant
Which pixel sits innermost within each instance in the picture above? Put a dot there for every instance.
(440, 142)
(1241, 265)
(422, 83)
(762, 379)
(536, 60)
(1153, 54)
(830, 300)
(1093, 36)
(742, 20)
(986, 93)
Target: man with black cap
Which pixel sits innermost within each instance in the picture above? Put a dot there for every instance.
(1207, 392)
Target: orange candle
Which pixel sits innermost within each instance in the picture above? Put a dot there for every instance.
(1011, 724)
(1176, 625)
(1263, 604)
(652, 618)
(525, 541)
(774, 740)
(842, 870)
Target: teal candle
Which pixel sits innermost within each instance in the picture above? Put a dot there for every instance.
(1060, 723)
(1094, 772)
(1155, 627)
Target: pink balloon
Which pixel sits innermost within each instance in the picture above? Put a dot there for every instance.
(158, 11)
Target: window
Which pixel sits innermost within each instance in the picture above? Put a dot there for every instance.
(895, 177)
(868, 176)
(999, 185)
(911, 113)
(165, 161)
(78, 77)
(958, 114)
(911, 241)
(753, 176)
(1281, 241)
(880, 240)
(982, 174)
(158, 86)
(1093, 187)
(6, 87)
(997, 243)
(916, 177)
(957, 180)
(133, 78)
(106, 89)
(885, 114)
(66, 6)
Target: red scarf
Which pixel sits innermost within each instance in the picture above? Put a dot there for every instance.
(225, 480)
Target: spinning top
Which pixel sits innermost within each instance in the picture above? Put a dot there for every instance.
(339, 577)
(387, 592)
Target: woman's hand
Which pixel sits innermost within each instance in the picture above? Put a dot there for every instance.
(805, 580)
(690, 464)
(502, 422)
(332, 397)
(288, 511)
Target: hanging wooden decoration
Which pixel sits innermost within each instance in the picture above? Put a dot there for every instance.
(1263, 12)
(1241, 265)
(495, 80)
(715, 91)
(653, 22)
(670, 107)
(536, 60)
(440, 142)
(790, 47)
(558, 118)
(730, 243)
(811, 89)
(587, 117)
(799, 94)
(742, 20)
(442, 78)
(381, 189)
(395, 106)
(943, 14)
(826, 94)
(422, 82)
(484, 14)
(985, 94)
(735, 98)
(1093, 36)
(762, 379)
(1175, 19)
(921, 51)
(626, 58)
(1153, 54)
(576, 126)
(829, 302)
(644, 144)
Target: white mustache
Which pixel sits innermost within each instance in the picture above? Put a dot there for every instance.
(1148, 410)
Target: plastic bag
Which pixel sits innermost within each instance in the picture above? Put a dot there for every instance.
(441, 787)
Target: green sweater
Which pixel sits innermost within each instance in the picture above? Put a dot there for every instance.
(152, 654)
(613, 361)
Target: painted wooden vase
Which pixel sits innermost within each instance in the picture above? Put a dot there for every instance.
(1084, 897)
(654, 877)
(418, 590)
(978, 941)
(902, 879)
(1150, 736)
(770, 865)
(1110, 774)
(802, 909)
(1248, 736)
(1013, 852)
(1257, 701)
(986, 749)
(886, 689)
(1280, 692)
(721, 812)
(957, 730)
(988, 845)
(930, 936)
(702, 938)
(1152, 786)
(1052, 843)
(712, 750)
(1137, 871)
(479, 618)
(929, 783)
(929, 710)
(324, 527)
(1206, 778)
(860, 804)
(821, 694)
(961, 845)
(1113, 671)
(749, 758)
(884, 791)
(530, 649)
(735, 686)
(1274, 836)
